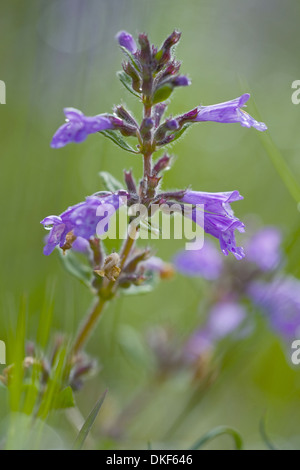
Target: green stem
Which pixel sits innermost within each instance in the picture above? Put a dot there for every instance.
(106, 293)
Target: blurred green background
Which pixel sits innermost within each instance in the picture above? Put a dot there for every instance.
(63, 53)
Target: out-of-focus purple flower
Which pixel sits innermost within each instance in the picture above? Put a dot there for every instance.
(225, 318)
(263, 248)
(206, 262)
(126, 40)
(78, 126)
(219, 220)
(199, 343)
(280, 300)
(229, 112)
(81, 219)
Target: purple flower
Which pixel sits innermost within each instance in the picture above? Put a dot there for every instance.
(229, 112)
(199, 343)
(225, 318)
(78, 126)
(263, 248)
(219, 220)
(206, 262)
(82, 219)
(280, 300)
(126, 40)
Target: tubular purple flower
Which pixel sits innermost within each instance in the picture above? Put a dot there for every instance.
(229, 112)
(126, 40)
(214, 202)
(78, 126)
(207, 262)
(219, 220)
(280, 300)
(81, 219)
(263, 248)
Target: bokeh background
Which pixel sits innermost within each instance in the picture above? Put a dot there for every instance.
(63, 53)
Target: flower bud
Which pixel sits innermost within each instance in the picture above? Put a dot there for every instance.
(164, 54)
(126, 40)
(162, 164)
(133, 74)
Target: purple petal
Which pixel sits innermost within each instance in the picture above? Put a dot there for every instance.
(51, 220)
(72, 114)
(229, 112)
(219, 220)
(81, 245)
(78, 126)
(213, 202)
(97, 123)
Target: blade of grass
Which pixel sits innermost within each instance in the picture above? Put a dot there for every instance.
(216, 432)
(264, 436)
(84, 431)
(274, 154)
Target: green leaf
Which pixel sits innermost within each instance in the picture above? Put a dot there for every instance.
(162, 93)
(131, 58)
(110, 182)
(126, 81)
(64, 399)
(76, 267)
(264, 436)
(115, 137)
(219, 431)
(83, 433)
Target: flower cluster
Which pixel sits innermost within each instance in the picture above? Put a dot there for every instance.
(151, 74)
(256, 279)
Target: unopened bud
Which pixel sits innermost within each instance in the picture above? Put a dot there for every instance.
(126, 40)
(133, 74)
(168, 126)
(162, 164)
(122, 113)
